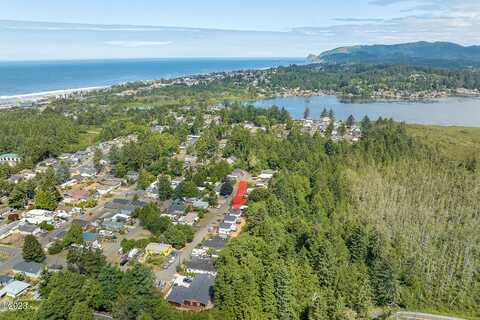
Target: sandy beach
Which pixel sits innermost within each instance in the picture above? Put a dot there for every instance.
(35, 97)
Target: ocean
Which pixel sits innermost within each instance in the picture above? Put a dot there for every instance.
(18, 78)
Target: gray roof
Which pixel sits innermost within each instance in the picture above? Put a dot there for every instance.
(200, 290)
(234, 211)
(203, 264)
(226, 225)
(5, 279)
(15, 288)
(28, 267)
(215, 243)
(57, 234)
(80, 222)
(124, 203)
(113, 225)
(178, 205)
(230, 219)
(27, 228)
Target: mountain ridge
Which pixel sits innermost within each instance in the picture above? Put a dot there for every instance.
(438, 54)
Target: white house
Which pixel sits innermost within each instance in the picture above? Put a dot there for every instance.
(37, 216)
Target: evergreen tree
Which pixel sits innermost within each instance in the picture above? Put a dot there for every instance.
(365, 124)
(73, 235)
(63, 172)
(145, 178)
(319, 308)
(286, 309)
(81, 311)
(97, 160)
(186, 189)
(120, 170)
(32, 249)
(212, 199)
(331, 115)
(350, 121)
(324, 113)
(306, 113)
(18, 197)
(269, 301)
(45, 200)
(164, 189)
(384, 282)
(56, 307)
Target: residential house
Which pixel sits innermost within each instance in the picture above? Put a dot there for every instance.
(27, 228)
(158, 249)
(86, 171)
(193, 294)
(225, 229)
(8, 229)
(132, 176)
(124, 214)
(201, 265)
(37, 216)
(176, 209)
(14, 289)
(216, 243)
(112, 225)
(176, 182)
(200, 204)
(57, 235)
(81, 222)
(189, 219)
(5, 279)
(230, 219)
(90, 240)
(237, 213)
(108, 185)
(29, 269)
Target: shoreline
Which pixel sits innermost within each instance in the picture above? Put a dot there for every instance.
(34, 96)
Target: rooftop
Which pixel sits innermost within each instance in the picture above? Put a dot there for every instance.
(203, 264)
(200, 290)
(14, 288)
(28, 267)
(215, 243)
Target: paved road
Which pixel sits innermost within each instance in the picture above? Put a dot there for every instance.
(421, 316)
(201, 233)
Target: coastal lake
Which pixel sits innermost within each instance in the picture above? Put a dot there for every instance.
(445, 111)
(17, 78)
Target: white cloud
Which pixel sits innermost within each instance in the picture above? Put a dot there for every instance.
(137, 44)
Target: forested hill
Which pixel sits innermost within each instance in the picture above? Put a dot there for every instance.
(437, 54)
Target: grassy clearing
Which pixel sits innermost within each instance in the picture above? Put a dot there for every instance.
(457, 143)
(88, 137)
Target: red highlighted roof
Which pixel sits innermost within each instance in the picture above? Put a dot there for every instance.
(240, 197)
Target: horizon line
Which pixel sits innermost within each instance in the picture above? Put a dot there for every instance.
(152, 59)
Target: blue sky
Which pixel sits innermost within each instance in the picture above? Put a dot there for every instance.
(214, 28)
